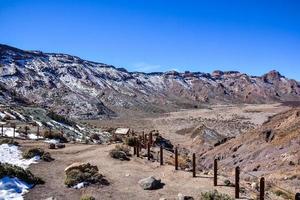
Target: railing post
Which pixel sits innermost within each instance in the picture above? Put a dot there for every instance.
(215, 172)
(134, 149)
(297, 196)
(150, 138)
(161, 156)
(194, 165)
(2, 130)
(176, 158)
(237, 182)
(14, 133)
(148, 150)
(38, 131)
(262, 189)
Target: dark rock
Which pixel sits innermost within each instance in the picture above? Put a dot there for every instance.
(150, 183)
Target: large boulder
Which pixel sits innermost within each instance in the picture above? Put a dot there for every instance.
(150, 183)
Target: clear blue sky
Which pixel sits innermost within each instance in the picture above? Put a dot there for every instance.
(158, 35)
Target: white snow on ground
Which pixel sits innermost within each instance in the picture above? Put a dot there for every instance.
(53, 141)
(10, 115)
(9, 132)
(2, 115)
(34, 136)
(80, 185)
(11, 154)
(13, 188)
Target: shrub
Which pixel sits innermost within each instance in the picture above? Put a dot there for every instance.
(95, 136)
(18, 172)
(9, 141)
(228, 183)
(283, 194)
(55, 135)
(120, 152)
(131, 141)
(86, 173)
(60, 118)
(183, 161)
(214, 195)
(87, 198)
(30, 153)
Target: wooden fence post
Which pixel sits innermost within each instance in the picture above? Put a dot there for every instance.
(148, 150)
(194, 165)
(14, 133)
(138, 149)
(237, 182)
(161, 156)
(150, 138)
(297, 196)
(38, 131)
(262, 189)
(176, 158)
(215, 172)
(2, 130)
(134, 150)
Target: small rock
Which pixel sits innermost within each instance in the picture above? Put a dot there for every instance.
(51, 198)
(150, 183)
(51, 146)
(127, 175)
(183, 197)
(60, 145)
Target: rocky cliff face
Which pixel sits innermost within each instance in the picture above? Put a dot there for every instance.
(85, 89)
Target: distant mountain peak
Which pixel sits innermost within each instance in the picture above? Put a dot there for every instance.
(86, 89)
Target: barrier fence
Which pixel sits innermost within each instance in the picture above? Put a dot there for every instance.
(146, 141)
(261, 194)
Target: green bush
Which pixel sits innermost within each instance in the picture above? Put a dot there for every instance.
(18, 172)
(131, 141)
(55, 135)
(60, 118)
(120, 152)
(9, 141)
(87, 174)
(215, 195)
(30, 153)
(87, 198)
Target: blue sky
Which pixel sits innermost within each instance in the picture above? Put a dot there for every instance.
(159, 35)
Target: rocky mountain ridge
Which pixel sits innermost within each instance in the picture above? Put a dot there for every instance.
(84, 89)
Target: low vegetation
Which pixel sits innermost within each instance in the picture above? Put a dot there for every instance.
(55, 135)
(183, 161)
(32, 152)
(60, 118)
(18, 172)
(84, 173)
(215, 195)
(9, 141)
(131, 141)
(120, 152)
(87, 198)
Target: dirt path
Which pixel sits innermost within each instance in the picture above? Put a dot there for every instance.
(123, 176)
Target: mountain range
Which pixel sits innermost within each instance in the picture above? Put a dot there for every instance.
(84, 89)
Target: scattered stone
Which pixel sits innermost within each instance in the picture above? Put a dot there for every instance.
(60, 145)
(183, 197)
(51, 198)
(150, 183)
(51, 146)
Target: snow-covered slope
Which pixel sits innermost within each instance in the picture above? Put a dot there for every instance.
(85, 89)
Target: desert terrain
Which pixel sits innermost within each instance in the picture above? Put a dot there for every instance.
(182, 130)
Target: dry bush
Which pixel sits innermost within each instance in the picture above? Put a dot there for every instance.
(55, 135)
(183, 161)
